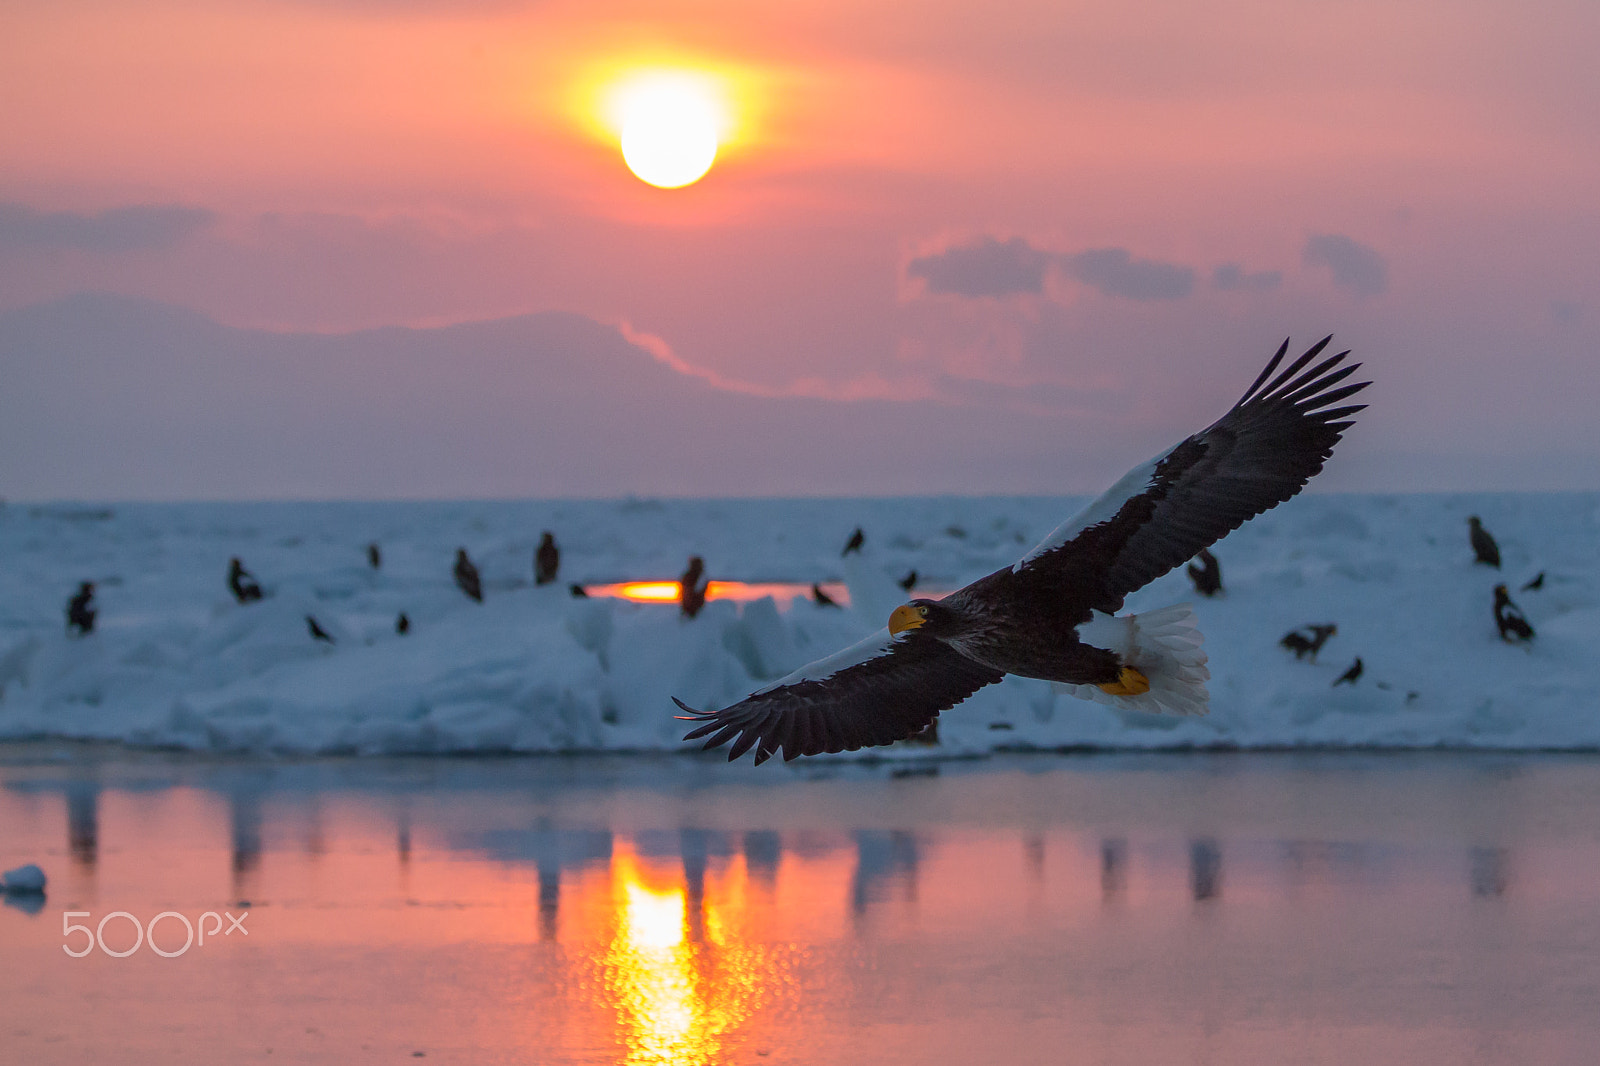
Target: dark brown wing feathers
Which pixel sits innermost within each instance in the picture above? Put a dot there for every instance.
(878, 701)
(1253, 458)
(1259, 454)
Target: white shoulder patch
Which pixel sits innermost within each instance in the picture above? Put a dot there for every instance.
(872, 647)
(1102, 509)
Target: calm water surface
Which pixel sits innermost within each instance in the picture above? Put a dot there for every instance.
(1033, 909)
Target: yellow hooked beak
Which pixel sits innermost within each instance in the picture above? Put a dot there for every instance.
(906, 616)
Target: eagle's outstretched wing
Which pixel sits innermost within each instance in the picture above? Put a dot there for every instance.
(879, 690)
(883, 689)
(1253, 458)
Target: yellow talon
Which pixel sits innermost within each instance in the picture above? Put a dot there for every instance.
(1129, 682)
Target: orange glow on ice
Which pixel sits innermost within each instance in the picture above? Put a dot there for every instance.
(639, 591)
(738, 591)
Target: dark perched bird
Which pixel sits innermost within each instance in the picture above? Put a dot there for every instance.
(467, 579)
(1483, 544)
(1296, 642)
(908, 582)
(578, 591)
(80, 610)
(1308, 640)
(1350, 675)
(691, 589)
(820, 598)
(317, 632)
(546, 559)
(402, 625)
(1535, 585)
(1051, 615)
(1509, 619)
(857, 539)
(241, 583)
(1207, 577)
(374, 556)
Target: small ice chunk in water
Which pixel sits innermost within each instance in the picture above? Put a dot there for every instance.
(27, 879)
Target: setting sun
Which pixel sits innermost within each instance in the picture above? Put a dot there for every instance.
(670, 124)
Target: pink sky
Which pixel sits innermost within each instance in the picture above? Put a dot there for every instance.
(1045, 205)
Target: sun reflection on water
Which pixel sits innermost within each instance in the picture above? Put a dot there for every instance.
(676, 997)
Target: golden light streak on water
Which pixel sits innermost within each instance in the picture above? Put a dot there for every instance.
(677, 999)
(652, 920)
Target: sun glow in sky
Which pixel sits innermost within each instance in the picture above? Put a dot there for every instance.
(1076, 224)
(670, 124)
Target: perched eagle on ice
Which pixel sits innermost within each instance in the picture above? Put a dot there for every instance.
(1052, 614)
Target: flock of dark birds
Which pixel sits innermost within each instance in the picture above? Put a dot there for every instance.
(1204, 571)
(245, 588)
(1206, 574)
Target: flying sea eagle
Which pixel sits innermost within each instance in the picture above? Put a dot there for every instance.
(1052, 615)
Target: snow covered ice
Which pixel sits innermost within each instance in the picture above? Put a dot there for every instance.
(174, 661)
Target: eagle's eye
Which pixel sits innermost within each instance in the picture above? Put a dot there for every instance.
(922, 610)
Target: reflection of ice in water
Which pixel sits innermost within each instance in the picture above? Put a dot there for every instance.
(763, 850)
(885, 861)
(550, 851)
(1033, 848)
(1205, 869)
(695, 849)
(1113, 868)
(549, 900)
(29, 903)
(673, 919)
(83, 822)
(244, 833)
(402, 837)
(1488, 871)
(1335, 862)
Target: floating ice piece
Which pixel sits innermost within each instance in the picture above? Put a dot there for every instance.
(24, 880)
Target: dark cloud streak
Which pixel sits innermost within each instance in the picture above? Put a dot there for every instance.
(118, 229)
(986, 267)
(1115, 272)
(1354, 266)
(989, 266)
(1231, 277)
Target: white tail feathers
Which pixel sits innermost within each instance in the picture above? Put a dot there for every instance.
(1164, 645)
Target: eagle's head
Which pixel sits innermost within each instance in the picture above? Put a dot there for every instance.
(919, 613)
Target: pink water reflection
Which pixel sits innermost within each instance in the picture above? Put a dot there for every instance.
(646, 911)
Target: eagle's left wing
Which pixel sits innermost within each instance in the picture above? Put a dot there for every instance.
(1253, 458)
(876, 691)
